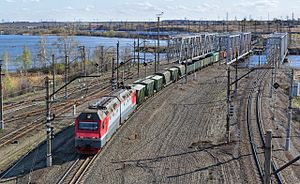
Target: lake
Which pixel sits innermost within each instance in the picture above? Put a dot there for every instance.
(14, 45)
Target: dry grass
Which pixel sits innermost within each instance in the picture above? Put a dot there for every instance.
(15, 85)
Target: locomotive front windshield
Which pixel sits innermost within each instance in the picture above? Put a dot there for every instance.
(88, 126)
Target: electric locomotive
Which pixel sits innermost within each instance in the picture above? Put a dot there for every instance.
(95, 126)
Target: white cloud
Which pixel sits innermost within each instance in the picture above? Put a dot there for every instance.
(89, 8)
(10, 1)
(261, 4)
(69, 8)
(146, 6)
(25, 1)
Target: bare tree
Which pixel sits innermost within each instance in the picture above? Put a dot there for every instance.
(6, 58)
(42, 51)
(126, 58)
(103, 57)
(67, 46)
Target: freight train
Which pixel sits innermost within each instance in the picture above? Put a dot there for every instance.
(95, 126)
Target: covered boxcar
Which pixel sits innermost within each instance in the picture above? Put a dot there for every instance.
(158, 82)
(216, 56)
(140, 92)
(190, 67)
(174, 73)
(166, 77)
(197, 64)
(181, 70)
(149, 85)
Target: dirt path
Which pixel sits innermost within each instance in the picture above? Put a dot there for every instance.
(177, 138)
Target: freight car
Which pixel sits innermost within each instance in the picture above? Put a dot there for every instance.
(95, 126)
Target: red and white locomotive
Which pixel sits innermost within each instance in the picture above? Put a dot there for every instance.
(94, 127)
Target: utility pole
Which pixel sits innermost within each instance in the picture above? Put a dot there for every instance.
(158, 37)
(138, 49)
(113, 78)
(101, 61)
(49, 128)
(276, 63)
(155, 63)
(134, 45)
(66, 75)
(268, 157)
(145, 64)
(236, 77)
(272, 78)
(118, 60)
(84, 60)
(288, 130)
(158, 40)
(228, 105)
(168, 52)
(185, 62)
(1, 98)
(227, 22)
(53, 74)
(144, 50)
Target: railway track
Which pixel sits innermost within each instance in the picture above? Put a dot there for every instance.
(16, 134)
(77, 170)
(40, 119)
(256, 90)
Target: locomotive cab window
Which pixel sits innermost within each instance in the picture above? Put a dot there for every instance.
(88, 126)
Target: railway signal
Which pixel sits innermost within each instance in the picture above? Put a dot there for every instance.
(231, 110)
(276, 85)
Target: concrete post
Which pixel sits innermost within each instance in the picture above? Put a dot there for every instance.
(268, 157)
(74, 110)
(66, 75)
(1, 98)
(138, 50)
(288, 130)
(48, 125)
(53, 74)
(228, 104)
(118, 61)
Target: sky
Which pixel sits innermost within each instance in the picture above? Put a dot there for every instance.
(145, 10)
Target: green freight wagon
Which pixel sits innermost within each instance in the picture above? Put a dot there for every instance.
(190, 67)
(197, 64)
(211, 60)
(206, 61)
(149, 84)
(216, 56)
(158, 82)
(174, 73)
(140, 92)
(201, 61)
(181, 70)
(166, 76)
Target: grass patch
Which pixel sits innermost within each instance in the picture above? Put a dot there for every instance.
(221, 95)
(296, 102)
